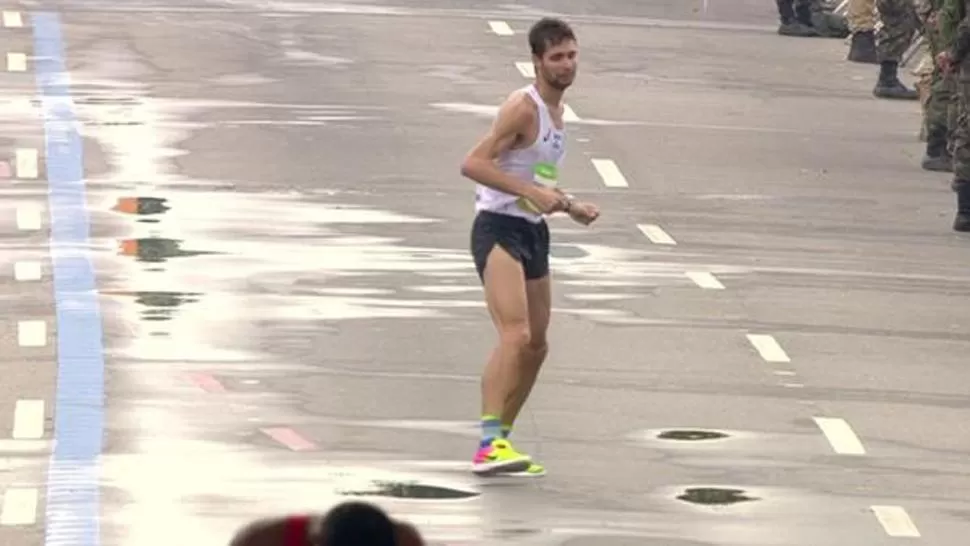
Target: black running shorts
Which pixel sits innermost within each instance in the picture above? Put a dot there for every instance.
(523, 240)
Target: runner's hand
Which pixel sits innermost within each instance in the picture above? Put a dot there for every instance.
(547, 200)
(584, 213)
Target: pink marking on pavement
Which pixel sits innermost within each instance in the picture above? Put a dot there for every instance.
(5, 171)
(289, 438)
(206, 382)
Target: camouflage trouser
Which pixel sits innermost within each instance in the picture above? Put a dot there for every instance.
(941, 108)
(961, 132)
(830, 24)
(861, 15)
(924, 74)
(899, 25)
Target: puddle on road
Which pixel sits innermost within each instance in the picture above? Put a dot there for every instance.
(157, 249)
(691, 435)
(151, 249)
(161, 306)
(715, 496)
(411, 490)
(271, 255)
(142, 206)
(694, 439)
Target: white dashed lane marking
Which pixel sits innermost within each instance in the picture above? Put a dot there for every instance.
(28, 420)
(32, 333)
(840, 435)
(610, 173)
(768, 348)
(656, 234)
(895, 521)
(28, 218)
(19, 507)
(16, 62)
(27, 271)
(12, 19)
(568, 114)
(26, 163)
(526, 69)
(705, 280)
(501, 28)
(19, 504)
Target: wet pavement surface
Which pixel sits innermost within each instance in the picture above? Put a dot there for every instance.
(278, 232)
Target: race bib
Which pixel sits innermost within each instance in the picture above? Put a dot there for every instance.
(545, 174)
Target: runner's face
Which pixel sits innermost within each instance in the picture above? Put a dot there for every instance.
(558, 65)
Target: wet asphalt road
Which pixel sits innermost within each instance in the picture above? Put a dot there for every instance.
(278, 232)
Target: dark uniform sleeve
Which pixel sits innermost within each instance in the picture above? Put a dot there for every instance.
(961, 41)
(948, 18)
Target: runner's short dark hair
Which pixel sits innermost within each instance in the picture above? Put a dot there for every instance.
(352, 523)
(549, 32)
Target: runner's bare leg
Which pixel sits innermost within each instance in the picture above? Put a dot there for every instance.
(539, 296)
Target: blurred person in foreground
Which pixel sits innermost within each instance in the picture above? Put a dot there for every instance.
(347, 524)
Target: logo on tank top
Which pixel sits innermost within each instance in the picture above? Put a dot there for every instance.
(557, 140)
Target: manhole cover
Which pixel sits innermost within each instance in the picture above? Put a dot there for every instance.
(686, 435)
(714, 495)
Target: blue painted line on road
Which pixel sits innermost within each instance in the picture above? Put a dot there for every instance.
(73, 489)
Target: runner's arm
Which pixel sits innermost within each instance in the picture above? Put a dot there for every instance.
(570, 199)
(513, 118)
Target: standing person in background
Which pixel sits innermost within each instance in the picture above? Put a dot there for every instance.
(941, 106)
(810, 18)
(953, 17)
(796, 18)
(862, 25)
(899, 25)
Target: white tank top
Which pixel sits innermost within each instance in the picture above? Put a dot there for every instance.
(539, 163)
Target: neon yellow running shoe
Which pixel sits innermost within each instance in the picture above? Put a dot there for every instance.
(499, 456)
(535, 470)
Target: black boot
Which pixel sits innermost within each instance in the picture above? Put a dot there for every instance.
(863, 47)
(795, 28)
(937, 157)
(803, 14)
(889, 86)
(790, 25)
(962, 221)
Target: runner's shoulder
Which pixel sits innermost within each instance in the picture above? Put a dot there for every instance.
(518, 106)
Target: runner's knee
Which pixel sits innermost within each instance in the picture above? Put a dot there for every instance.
(537, 342)
(516, 335)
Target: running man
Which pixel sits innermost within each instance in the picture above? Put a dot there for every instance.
(516, 166)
